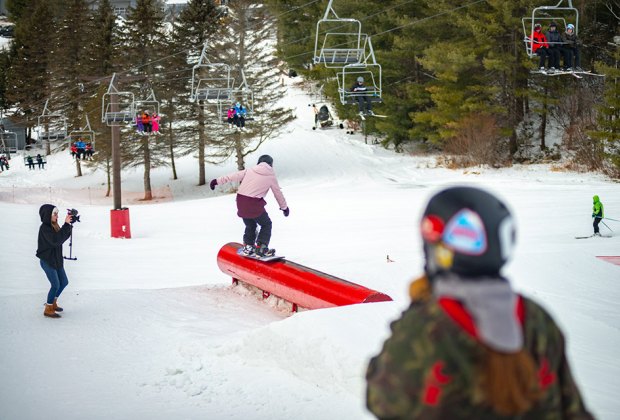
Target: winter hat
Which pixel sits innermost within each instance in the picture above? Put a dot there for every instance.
(360, 79)
(553, 25)
(537, 26)
(570, 26)
(267, 159)
(466, 231)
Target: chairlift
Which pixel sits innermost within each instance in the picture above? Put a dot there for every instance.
(51, 126)
(8, 142)
(562, 13)
(117, 108)
(338, 41)
(212, 83)
(85, 134)
(150, 106)
(369, 69)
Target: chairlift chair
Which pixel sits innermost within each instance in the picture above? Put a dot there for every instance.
(369, 69)
(562, 13)
(8, 142)
(341, 41)
(85, 134)
(211, 82)
(51, 126)
(124, 102)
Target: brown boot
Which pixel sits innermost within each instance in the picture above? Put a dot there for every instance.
(49, 311)
(56, 307)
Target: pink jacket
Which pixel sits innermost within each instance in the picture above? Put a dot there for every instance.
(230, 113)
(256, 182)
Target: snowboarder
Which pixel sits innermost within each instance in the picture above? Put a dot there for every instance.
(255, 183)
(469, 347)
(49, 252)
(597, 214)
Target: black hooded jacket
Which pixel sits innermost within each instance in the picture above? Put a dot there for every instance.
(50, 242)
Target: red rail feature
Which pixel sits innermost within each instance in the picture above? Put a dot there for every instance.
(302, 286)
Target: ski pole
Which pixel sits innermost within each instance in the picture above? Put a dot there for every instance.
(604, 224)
(609, 218)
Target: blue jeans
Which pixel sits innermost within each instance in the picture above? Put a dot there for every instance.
(57, 278)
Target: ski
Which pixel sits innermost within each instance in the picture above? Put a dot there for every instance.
(589, 73)
(363, 116)
(592, 236)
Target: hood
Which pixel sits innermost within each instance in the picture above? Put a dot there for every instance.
(595, 199)
(263, 168)
(45, 212)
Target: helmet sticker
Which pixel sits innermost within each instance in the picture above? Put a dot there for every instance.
(465, 233)
(507, 235)
(432, 228)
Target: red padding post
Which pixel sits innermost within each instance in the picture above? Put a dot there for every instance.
(294, 283)
(119, 223)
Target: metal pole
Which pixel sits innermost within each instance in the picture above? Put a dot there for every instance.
(116, 154)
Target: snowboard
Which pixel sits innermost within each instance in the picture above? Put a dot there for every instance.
(592, 236)
(257, 258)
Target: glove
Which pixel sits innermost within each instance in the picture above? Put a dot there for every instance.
(286, 212)
(213, 184)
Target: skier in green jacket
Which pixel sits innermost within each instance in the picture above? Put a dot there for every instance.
(597, 213)
(469, 347)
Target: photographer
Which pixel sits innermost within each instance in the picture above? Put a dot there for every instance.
(49, 251)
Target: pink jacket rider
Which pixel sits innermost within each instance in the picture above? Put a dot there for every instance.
(255, 183)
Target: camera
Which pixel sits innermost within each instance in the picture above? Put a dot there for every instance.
(74, 215)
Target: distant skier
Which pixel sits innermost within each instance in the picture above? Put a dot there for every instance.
(255, 183)
(469, 346)
(571, 46)
(239, 117)
(597, 213)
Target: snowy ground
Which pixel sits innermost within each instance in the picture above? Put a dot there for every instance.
(153, 329)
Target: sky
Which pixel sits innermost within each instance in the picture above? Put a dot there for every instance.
(152, 328)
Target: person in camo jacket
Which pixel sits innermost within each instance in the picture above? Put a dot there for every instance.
(469, 347)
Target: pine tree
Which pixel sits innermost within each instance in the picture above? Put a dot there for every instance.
(69, 64)
(28, 78)
(248, 46)
(143, 39)
(198, 23)
(608, 134)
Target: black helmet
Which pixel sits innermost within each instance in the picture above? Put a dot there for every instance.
(466, 231)
(266, 158)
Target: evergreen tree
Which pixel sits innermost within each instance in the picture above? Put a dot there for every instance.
(28, 78)
(608, 133)
(143, 38)
(197, 24)
(248, 45)
(69, 64)
(100, 67)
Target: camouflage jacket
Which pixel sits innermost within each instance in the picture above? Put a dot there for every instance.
(427, 368)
